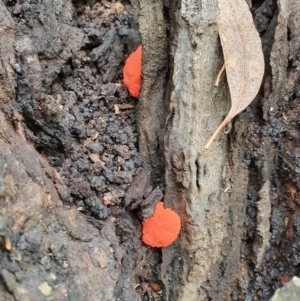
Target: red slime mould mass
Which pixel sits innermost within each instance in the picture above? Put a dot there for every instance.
(161, 229)
(132, 72)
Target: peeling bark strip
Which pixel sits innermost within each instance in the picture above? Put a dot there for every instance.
(243, 56)
(262, 241)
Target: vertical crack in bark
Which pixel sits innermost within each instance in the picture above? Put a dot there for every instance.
(151, 109)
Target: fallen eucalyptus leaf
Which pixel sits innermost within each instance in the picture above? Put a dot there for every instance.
(244, 60)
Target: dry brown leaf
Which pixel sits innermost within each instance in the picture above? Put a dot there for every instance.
(58, 98)
(95, 158)
(118, 7)
(117, 109)
(243, 56)
(89, 140)
(7, 244)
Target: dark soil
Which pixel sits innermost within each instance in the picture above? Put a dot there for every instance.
(83, 123)
(92, 146)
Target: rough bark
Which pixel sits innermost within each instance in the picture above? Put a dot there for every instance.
(48, 248)
(152, 105)
(224, 195)
(61, 147)
(197, 179)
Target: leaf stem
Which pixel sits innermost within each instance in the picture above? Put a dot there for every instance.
(216, 132)
(219, 75)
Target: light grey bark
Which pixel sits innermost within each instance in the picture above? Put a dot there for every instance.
(196, 186)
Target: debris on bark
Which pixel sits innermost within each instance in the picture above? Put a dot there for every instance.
(291, 291)
(263, 235)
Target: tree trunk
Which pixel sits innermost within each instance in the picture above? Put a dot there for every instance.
(74, 187)
(237, 200)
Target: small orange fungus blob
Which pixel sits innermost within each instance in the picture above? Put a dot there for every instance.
(161, 229)
(132, 72)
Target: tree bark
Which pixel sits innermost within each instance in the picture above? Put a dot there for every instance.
(48, 248)
(228, 248)
(238, 201)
